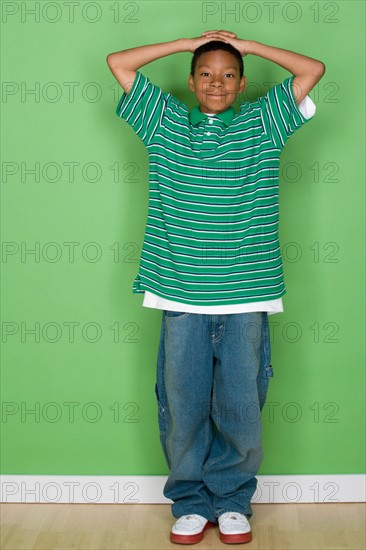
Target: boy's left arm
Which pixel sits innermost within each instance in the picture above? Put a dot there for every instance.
(307, 71)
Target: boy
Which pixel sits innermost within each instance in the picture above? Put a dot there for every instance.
(211, 261)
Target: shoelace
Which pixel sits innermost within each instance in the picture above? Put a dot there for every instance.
(233, 515)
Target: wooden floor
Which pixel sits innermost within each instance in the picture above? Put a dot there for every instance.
(146, 527)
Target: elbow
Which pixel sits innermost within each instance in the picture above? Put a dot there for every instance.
(320, 69)
(317, 72)
(109, 60)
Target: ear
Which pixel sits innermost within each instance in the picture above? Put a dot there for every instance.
(242, 84)
(191, 83)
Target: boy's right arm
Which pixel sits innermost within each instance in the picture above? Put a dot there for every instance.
(125, 63)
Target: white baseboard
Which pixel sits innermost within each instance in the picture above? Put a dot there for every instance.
(325, 488)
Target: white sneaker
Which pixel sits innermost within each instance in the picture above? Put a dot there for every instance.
(189, 529)
(234, 528)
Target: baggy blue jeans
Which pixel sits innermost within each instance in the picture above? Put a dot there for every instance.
(213, 374)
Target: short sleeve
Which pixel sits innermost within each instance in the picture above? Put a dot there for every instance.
(143, 108)
(281, 116)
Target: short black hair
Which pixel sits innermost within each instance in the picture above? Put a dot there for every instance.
(217, 45)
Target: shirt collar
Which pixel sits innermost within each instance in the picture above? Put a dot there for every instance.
(196, 115)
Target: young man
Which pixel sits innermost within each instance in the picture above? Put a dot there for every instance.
(211, 261)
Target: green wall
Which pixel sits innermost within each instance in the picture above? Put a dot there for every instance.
(78, 348)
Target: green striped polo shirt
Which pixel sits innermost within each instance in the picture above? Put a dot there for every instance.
(211, 234)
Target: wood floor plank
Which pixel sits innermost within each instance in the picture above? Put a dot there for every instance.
(333, 526)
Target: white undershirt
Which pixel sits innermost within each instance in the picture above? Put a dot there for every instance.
(307, 108)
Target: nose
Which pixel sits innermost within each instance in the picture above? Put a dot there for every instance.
(216, 81)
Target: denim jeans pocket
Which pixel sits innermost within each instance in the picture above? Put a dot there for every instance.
(176, 314)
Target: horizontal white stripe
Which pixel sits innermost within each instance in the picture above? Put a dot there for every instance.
(148, 489)
(222, 133)
(256, 150)
(207, 291)
(154, 301)
(186, 267)
(217, 241)
(233, 274)
(202, 184)
(212, 231)
(230, 209)
(214, 174)
(178, 192)
(190, 246)
(226, 222)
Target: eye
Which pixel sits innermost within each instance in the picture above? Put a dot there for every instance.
(229, 74)
(204, 74)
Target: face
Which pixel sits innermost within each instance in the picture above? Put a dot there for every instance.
(216, 81)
